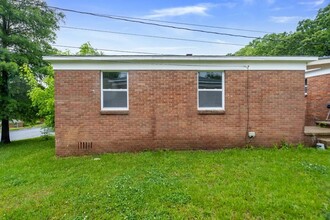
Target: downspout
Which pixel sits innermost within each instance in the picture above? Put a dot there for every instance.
(247, 138)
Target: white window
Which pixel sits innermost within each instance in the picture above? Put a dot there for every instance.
(114, 91)
(210, 91)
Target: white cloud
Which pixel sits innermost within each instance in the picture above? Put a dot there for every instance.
(221, 41)
(285, 19)
(281, 8)
(313, 3)
(200, 9)
(198, 50)
(226, 43)
(251, 2)
(164, 48)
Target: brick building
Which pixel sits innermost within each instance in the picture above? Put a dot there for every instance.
(132, 103)
(318, 90)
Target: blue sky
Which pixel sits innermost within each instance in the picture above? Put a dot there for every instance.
(262, 15)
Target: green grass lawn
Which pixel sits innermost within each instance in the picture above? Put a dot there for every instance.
(287, 183)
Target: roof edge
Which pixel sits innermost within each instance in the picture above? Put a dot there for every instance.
(317, 72)
(318, 63)
(179, 58)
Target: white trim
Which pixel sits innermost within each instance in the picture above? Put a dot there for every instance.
(198, 63)
(127, 90)
(179, 58)
(310, 70)
(211, 90)
(101, 88)
(223, 88)
(197, 80)
(116, 90)
(215, 90)
(319, 62)
(200, 66)
(317, 72)
(210, 109)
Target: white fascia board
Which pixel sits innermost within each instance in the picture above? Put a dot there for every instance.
(317, 72)
(177, 63)
(179, 66)
(176, 58)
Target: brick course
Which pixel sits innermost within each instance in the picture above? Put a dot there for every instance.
(163, 112)
(318, 95)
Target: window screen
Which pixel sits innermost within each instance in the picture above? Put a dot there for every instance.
(210, 90)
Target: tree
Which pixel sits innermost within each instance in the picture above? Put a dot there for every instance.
(312, 38)
(314, 35)
(27, 27)
(87, 49)
(42, 91)
(270, 45)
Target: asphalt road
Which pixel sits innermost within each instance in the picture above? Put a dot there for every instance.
(24, 134)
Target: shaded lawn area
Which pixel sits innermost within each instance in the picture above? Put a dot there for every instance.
(289, 183)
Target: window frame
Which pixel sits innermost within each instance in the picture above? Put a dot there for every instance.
(115, 90)
(214, 90)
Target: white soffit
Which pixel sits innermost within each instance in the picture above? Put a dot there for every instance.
(177, 63)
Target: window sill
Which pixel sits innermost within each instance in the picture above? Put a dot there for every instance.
(109, 112)
(211, 112)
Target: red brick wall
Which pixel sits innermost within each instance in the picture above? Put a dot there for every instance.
(163, 112)
(318, 95)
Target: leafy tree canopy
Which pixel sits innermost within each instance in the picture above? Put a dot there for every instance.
(27, 27)
(84, 49)
(87, 49)
(42, 91)
(311, 38)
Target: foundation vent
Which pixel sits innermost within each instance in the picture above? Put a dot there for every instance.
(85, 145)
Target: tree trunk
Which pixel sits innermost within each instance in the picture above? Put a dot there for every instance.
(4, 92)
(5, 139)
